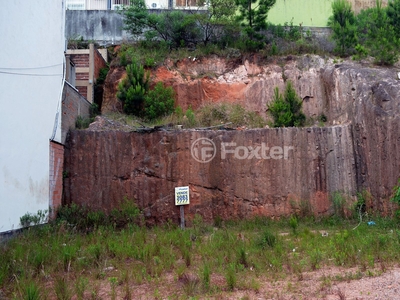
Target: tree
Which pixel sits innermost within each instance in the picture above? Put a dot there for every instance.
(381, 39)
(253, 16)
(393, 13)
(175, 27)
(132, 89)
(286, 109)
(136, 17)
(220, 13)
(343, 24)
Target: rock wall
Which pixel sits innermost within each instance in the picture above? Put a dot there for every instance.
(314, 163)
(369, 99)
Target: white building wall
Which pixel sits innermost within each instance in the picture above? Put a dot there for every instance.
(31, 74)
(153, 4)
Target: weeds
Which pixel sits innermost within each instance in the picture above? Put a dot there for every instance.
(204, 260)
(80, 287)
(205, 276)
(210, 115)
(267, 239)
(190, 283)
(34, 219)
(293, 223)
(230, 276)
(32, 292)
(62, 290)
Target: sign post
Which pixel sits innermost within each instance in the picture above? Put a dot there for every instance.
(181, 199)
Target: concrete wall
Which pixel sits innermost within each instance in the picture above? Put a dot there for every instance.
(102, 26)
(31, 73)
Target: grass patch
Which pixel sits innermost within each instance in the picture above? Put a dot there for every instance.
(63, 260)
(212, 115)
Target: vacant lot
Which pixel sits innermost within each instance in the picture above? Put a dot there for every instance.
(292, 258)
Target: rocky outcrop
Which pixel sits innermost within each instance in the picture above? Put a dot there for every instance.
(358, 151)
(249, 82)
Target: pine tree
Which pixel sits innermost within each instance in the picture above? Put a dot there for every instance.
(132, 89)
(393, 13)
(253, 16)
(382, 41)
(286, 109)
(343, 24)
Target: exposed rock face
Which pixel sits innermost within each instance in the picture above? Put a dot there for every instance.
(313, 163)
(359, 151)
(110, 101)
(369, 99)
(201, 81)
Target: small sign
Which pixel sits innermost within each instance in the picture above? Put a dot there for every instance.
(182, 195)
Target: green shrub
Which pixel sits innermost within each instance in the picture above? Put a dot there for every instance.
(242, 258)
(339, 202)
(292, 32)
(396, 199)
(102, 75)
(293, 223)
(361, 52)
(159, 102)
(82, 122)
(33, 219)
(93, 111)
(396, 193)
(274, 49)
(378, 35)
(393, 13)
(383, 44)
(190, 117)
(286, 109)
(86, 219)
(267, 239)
(126, 213)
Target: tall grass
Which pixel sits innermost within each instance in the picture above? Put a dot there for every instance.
(208, 115)
(67, 260)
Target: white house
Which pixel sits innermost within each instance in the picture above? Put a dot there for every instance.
(31, 83)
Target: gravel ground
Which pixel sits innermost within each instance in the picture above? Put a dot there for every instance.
(330, 284)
